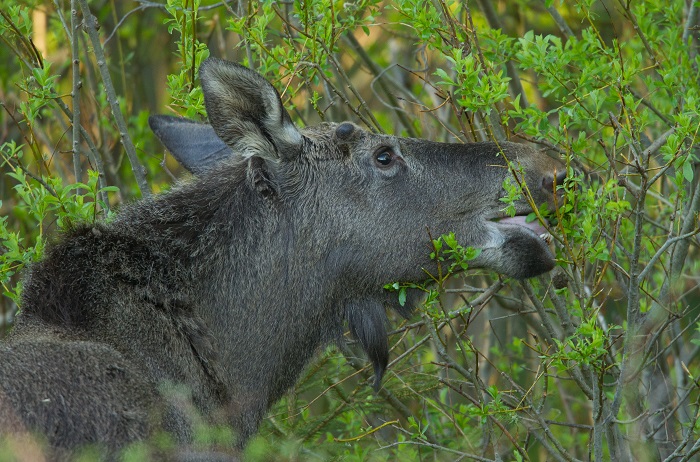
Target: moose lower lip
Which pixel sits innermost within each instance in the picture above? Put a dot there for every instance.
(521, 220)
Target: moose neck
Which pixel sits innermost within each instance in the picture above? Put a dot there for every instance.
(278, 308)
(263, 289)
(260, 278)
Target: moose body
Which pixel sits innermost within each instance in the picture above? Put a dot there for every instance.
(203, 304)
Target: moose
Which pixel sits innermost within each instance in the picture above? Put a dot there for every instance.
(204, 303)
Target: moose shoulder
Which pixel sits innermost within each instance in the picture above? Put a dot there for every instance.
(206, 302)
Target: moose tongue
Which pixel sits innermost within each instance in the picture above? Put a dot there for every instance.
(521, 220)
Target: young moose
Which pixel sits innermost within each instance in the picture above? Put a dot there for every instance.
(205, 303)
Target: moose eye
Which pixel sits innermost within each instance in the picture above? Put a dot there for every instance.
(384, 157)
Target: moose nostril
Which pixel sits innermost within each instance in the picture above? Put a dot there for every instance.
(561, 177)
(549, 182)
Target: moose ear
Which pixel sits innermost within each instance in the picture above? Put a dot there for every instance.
(246, 112)
(193, 144)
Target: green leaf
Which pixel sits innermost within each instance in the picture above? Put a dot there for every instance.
(688, 172)
(402, 296)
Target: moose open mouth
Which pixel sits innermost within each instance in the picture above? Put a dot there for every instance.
(522, 220)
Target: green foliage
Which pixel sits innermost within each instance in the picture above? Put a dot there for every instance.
(474, 89)
(587, 346)
(183, 88)
(513, 193)
(446, 247)
(41, 86)
(39, 200)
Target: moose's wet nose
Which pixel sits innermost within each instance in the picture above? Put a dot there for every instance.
(551, 181)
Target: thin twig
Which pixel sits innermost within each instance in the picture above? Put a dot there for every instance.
(691, 24)
(75, 57)
(377, 72)
(552, 332)
(138, 169)
(388, 396)
(560, 21)
(669, 242)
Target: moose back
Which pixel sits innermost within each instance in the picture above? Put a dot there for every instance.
(203, 304)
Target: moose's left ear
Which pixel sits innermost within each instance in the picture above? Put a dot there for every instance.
(246, 112)
(193, 144)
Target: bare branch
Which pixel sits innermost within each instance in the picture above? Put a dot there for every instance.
(75, 61)
(136, 167)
